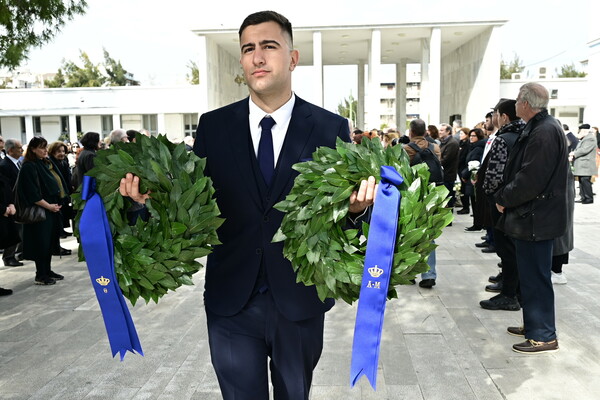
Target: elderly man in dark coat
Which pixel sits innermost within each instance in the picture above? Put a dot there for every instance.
(534, 203)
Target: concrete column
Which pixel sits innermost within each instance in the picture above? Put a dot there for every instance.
(401, 96)
(424, 112)
(373, 120)
(204, 104)
(161, 125)
(29, 133)
(73, 128)
(360, 109)
(435, 78)
(116, 118)
(318, 67)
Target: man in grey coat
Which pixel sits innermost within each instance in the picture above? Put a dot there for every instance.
(584, 163)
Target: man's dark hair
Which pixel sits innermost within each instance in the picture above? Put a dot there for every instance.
(417, 127)
(488, 115)
(90, 140)
(478, 132)
(565, 127)
(35, 143)
(508, 107)
(268, 16)
(131, 134)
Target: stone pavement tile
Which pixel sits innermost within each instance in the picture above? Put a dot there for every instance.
(438, 372)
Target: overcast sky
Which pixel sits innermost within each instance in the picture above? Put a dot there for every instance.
(153, 39)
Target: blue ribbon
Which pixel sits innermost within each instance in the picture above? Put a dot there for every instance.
(376, 278)
(96, 240)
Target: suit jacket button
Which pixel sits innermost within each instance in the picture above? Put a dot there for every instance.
(259, 251)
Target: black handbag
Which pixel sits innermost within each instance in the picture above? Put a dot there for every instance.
(30, 214)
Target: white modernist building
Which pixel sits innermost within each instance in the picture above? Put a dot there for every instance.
(458, 77)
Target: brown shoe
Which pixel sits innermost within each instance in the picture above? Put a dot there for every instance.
(516, 330)
(531, 346)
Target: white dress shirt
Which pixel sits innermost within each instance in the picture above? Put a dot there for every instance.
(282, 117)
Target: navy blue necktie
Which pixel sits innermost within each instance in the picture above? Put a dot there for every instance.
(266, 159)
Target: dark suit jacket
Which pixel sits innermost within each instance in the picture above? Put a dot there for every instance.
(223, 137)
(9, 170)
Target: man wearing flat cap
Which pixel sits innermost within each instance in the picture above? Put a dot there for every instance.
(584, 163)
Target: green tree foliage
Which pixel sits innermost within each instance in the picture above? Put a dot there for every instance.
(56, 82)
(508, 68)
(193, 76)
(87, 74)
(31, 23)
(116, 74)
(347, 108)
(569, 71)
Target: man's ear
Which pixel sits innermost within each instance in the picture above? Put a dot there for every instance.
(295, 56)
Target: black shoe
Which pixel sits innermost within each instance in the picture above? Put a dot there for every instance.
(427, 283)
(12, 263)
(501, 302)
(5, 292)
(516, 330)
(19, 257)
(412, 282)
(494, 288)
(483, 244)
(484, 237)
(62, 252)
(55, 276)
(44, 281)
(495, 279)
(489, 249)
(463, 211)
(64, 234)
(473, 229)
(587, 202)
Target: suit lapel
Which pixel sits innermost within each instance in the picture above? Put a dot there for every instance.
(298, 135)
(243, 152)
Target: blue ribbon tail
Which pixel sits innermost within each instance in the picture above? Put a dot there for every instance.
(97, 244)
(376, 278)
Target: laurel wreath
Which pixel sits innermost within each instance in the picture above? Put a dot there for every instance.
(323, 252)
(159, 255)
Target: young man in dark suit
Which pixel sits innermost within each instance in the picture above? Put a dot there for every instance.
(9, 169)
(255, 309)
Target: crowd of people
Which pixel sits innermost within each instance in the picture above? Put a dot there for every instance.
(44, 175)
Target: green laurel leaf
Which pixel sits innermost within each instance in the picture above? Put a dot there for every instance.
(326, 255)
(161, 254)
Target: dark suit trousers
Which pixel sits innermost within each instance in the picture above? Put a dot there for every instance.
(534, 261)
(11, 252)
(240, 345)
(585, 189)
(505, 248)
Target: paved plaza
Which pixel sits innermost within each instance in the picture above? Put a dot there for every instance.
(436, 344)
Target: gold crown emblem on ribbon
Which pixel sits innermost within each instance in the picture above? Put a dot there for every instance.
(375, 271)
(103, 281)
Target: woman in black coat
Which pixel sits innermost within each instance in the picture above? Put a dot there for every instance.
(464, 146)
(85, 161)
(40, 183)
(477, 145)
(58, 155)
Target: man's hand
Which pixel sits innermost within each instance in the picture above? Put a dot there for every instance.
(365, 196)
(500, 208)
(130, 187)
(11, 210)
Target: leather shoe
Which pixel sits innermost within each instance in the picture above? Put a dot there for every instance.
(494, 288)
(489, 249)
(55, 276)
(5, 292)
(62, 252)
(531, 346)
(473, 229)
(427, 283)
(501, 302)
(483, 244)
(495, 279)
(463, 211)
(516, 330)
(12, 263)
